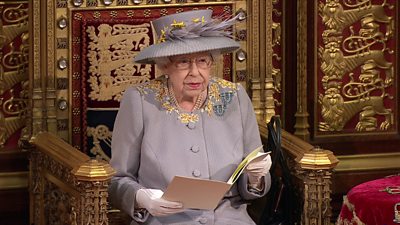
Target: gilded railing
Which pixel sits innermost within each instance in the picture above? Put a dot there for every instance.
(66, 185)
(311, 168)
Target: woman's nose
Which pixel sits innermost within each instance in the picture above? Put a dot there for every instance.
(194, 69)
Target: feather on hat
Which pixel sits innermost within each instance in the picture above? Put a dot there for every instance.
(186, 33)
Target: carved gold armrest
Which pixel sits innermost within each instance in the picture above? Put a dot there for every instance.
(66, 185)
(312, 168)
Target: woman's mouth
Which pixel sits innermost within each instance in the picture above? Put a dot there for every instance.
(194, 86)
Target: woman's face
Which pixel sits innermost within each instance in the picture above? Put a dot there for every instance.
(189, 74)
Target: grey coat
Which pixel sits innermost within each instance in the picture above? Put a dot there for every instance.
(153, 141)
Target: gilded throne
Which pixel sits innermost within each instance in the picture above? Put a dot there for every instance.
(81, 65)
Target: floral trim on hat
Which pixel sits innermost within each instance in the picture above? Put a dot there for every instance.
(197, 27)
(220, 95)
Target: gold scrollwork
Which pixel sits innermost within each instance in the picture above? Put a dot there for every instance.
(16, 106)
(364, 93)
(100, 134)
(126, 41)
(16, 14)
(57, 205)
(17, 59)
(16, 109)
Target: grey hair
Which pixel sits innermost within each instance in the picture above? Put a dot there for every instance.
(215, 54)
(162, 62)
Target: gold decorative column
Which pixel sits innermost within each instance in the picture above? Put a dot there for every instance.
(268, 81)
(254, 53)
(301, 126)
(92, 181)
(37, 81)
(260, 66)
(315, 169)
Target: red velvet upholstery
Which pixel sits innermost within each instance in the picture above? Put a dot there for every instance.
(370, 203)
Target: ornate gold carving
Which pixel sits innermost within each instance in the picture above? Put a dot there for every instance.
(127, 41)
(276, 55)
(62, 124)
(67, 184)
(256, 78)
(91, 3)
(93, 182)
(61, 3)
(122, 2)
(364, 94)
(316, 208)
(17, 59)
(337, 112)
(276, 72)
(269, 89)
(100, 134)
(35, 74)
(16, 109)
(17, 14)
(254, 30)
(314, 168)
(58, 205)
(335, 64)
(336, 18)
(16, 62)
(94, 202)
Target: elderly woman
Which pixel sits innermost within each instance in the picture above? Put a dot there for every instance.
(185, 123)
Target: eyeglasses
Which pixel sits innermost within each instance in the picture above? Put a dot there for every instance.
(202, 62)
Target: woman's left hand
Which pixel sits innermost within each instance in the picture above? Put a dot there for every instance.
(256, 170)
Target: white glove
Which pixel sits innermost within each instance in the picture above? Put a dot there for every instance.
(151, 200)
(257, 169)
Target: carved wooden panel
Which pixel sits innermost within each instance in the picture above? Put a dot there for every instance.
(356, 64)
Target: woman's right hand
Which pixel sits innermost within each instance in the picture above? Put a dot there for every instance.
(151, 200)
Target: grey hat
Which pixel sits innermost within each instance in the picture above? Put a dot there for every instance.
(186, 33)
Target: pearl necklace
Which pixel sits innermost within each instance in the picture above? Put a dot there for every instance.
(197, 105)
